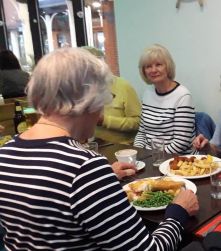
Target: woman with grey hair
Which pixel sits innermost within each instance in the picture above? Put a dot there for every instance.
(57, 195)
(167, 108)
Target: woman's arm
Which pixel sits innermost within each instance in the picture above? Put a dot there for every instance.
(102, 209)
(141, 139)
(184, 126)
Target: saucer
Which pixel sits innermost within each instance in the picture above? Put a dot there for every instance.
(140, 165)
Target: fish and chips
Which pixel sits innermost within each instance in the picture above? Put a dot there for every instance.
(192, 166)
(153, 192)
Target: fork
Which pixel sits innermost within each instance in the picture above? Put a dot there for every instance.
(210, 229)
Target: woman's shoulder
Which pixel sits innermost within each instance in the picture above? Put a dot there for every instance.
(182, 89)
(120, 83)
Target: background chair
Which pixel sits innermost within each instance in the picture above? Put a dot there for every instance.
(204, 125)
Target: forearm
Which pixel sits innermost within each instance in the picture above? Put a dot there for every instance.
(140, 139)
(112, 222)
(179, 145)
(183, 130)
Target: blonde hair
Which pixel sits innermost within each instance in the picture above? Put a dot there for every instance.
(69, 81)
(156, 53)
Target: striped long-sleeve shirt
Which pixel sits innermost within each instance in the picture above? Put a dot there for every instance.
(55, 195)
(169, 116)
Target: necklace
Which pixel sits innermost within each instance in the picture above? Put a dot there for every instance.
(54, 125)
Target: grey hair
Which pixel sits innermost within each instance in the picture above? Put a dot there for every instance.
(156, 53)
(69, 81)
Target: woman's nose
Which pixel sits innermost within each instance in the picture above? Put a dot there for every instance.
(153, 68)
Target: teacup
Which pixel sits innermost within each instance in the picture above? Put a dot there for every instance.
(126, 155)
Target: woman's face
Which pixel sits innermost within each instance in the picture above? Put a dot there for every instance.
(156, 72)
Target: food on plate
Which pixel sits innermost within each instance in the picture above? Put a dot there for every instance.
(192, 166)
(152, 192)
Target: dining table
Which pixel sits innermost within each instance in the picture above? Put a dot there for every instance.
(209, 207)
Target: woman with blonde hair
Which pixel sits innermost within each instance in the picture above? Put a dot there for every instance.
(167, 108)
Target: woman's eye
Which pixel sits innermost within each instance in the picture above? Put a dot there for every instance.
(147, 66)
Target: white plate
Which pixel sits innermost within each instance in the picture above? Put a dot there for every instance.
(188, 185)
(165, 168)
(140, 165)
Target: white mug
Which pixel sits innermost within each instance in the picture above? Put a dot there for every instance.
(127, 155)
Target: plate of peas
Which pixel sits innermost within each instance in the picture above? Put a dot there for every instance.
(155, 193)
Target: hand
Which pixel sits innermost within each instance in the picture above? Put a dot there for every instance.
(200, 142)
(188, 200)
(122, 169)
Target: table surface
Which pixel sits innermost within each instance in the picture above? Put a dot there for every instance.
(209, 207)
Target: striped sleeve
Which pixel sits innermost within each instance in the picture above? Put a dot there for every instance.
(102, 209)
(184, 127)
(140, 139)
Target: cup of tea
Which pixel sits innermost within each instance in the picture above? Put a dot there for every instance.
(127, 155)
(31, 116)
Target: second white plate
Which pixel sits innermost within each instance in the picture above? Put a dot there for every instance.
(165, 168)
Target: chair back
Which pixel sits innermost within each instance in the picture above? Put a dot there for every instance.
(205, 125)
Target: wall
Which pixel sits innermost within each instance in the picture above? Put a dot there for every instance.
(192, 35)
(111, 56)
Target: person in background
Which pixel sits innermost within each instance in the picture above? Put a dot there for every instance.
(167, 108)
(205, 125)
(57, 195)
(13, 79)
(213, 146)
(120, 120)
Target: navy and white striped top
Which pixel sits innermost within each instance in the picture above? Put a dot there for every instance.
(55, 195)
(169, 116)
